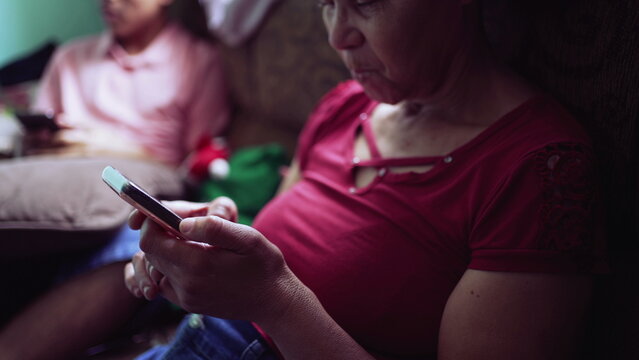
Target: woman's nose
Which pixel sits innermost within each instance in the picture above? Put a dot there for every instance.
(342, 33)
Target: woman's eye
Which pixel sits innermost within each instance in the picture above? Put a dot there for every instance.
(323, 3)
(363, 3)
(370, 6)
(357, 3)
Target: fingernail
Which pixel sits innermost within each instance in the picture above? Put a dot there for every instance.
(147, 291)
(222, 211)
(187, 225)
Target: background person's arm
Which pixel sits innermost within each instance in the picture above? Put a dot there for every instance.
(499, 315)
(94, 140)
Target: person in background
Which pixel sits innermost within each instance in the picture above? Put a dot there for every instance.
(439, 207)
(147, 89)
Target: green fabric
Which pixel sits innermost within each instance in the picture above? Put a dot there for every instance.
(252, 181)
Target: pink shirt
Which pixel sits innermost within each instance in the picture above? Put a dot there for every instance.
(384, 258)
(166, 98)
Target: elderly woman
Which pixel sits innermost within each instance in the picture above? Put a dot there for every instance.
(438, 207)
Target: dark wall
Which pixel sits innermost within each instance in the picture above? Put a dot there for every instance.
(586, 54)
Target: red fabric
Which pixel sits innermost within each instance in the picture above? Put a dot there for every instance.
(205, 153)
(269, 341)
(384, 258)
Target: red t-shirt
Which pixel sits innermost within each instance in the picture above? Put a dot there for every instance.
(383, 259)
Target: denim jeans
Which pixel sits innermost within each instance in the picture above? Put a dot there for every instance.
(207, 338)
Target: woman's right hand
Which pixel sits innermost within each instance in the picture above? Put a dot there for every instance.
(139, 276)
(232, 271)
(224, 269)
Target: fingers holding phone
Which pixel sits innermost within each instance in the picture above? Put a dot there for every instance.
(141, 278)
(166, 214)
(142, 201)
(222, 207)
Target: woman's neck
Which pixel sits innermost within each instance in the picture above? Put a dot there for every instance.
(139, 40)
(477, 91)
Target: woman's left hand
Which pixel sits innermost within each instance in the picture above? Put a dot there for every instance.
(225, 269)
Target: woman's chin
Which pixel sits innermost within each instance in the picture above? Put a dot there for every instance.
(380, 89)
(383, 94)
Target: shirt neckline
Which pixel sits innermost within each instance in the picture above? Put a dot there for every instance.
(382, 164)
(157, 52)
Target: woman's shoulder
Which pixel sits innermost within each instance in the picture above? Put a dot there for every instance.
(336, 110)
(538, 123)
(340, 105)
(531, 138)
(344, 98)
(540, 175)
(553, 119)
(344, 91)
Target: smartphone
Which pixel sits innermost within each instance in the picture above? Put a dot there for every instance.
(34, 122)
(141, 200)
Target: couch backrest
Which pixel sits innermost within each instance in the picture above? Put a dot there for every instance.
(278, 77)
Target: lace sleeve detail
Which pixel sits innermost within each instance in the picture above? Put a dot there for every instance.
(543, 216)
(568, 194)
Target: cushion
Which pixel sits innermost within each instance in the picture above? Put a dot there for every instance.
(52, 204)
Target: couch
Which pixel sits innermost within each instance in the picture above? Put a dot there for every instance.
(279, 75)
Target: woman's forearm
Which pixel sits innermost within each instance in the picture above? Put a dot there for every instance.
(306, 331)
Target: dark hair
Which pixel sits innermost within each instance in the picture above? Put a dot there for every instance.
(191, 15)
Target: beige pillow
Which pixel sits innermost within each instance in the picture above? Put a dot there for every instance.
(57, 204)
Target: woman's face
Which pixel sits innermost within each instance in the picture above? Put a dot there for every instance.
(397, 49)
(128, 17)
